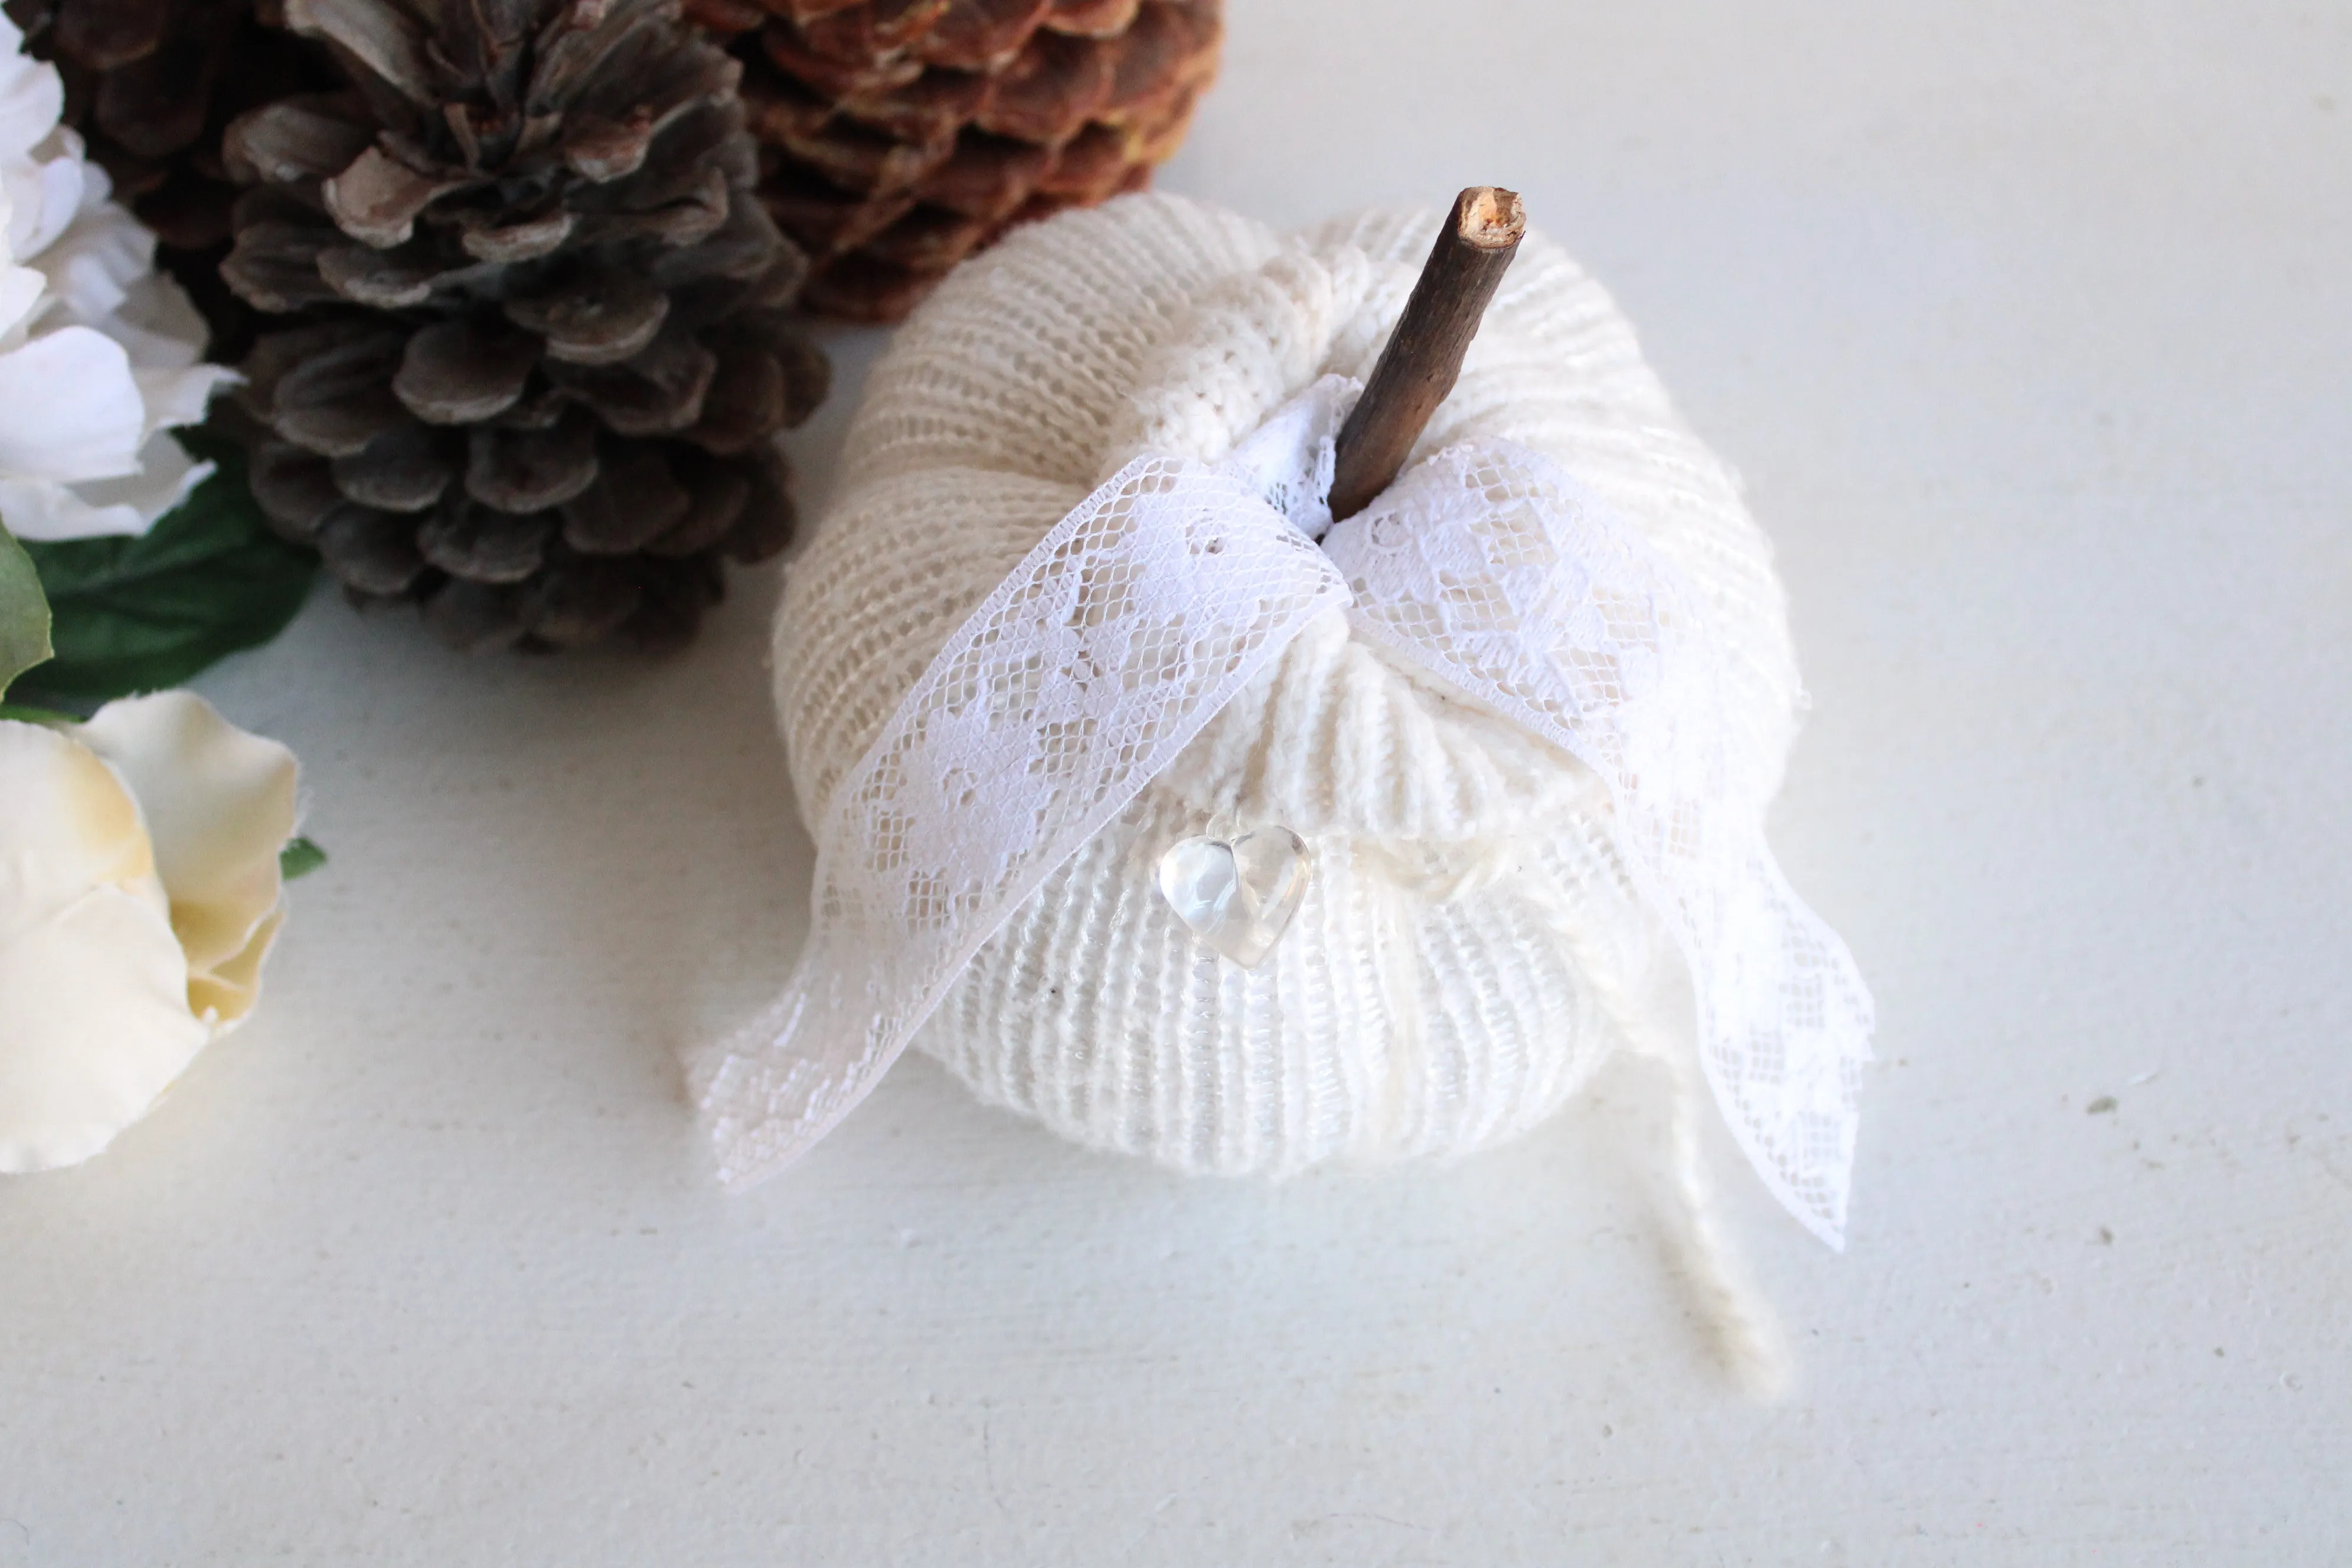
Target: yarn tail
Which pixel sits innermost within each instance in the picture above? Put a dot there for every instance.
(1744, 1333)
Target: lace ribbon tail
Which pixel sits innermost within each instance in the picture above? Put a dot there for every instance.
(1495, 572)
(1788, 1078)
(1124, 631)
(764, 1100)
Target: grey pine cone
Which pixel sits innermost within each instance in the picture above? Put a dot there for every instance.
(534, 338)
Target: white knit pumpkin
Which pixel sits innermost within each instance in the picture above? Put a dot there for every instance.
(1470, 945)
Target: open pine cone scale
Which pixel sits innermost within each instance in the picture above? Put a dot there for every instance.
(897, 136)
(543, 345)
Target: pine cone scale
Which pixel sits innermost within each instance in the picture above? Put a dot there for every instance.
(981, 35)
(406, 470)
(486, 547)
(385, 280)
(636, 499)
(275, 267)
(579, 602)
(372, 551)
(105, 35)
(294, 488)
(1093, 18)
(599, 318)
(503, 244)
(463, 371)
(382, 40)
(606, 150)
(153, 107)
(848, 153)
(377, 198)
(926, 112)
(474, 617)
(339, 401)
(293, 141)
(1050, 91)
(524, 470)
(747, 398)
(717, 497)
(988, 178)
(877, 31)
(897, 138)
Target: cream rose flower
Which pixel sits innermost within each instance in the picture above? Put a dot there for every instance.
(98, 353)
(138, 892)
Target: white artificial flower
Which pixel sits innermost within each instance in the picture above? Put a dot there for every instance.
(99, 354)
(139, 893)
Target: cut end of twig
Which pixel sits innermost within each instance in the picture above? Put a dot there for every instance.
(1489, 217)
(1423, 355)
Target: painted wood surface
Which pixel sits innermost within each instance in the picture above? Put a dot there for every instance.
(2030, 328)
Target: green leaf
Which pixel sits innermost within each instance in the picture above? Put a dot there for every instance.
(300, 859)
(139, 615)
(24, 612)
(25, 713)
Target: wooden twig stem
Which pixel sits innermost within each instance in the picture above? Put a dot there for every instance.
(1424, 353)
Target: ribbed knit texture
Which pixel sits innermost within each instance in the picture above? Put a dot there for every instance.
(1469, 947)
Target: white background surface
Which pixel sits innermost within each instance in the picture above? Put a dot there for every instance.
(2030, 326)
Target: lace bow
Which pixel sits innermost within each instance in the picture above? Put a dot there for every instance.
(1150, 607)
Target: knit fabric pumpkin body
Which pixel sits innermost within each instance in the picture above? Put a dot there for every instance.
(1470, 945)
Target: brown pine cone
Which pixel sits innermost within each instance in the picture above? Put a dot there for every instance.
(897, 136)
(536, 346)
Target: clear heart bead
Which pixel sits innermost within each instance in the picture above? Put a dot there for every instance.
(1236, 895)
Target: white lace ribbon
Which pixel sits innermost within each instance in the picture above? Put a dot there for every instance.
(1130, 624)
(1149, 607)
(1496, 573)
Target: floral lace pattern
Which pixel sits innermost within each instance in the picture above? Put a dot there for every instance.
(1128, 627)
(1499, 575)
(1149, 607)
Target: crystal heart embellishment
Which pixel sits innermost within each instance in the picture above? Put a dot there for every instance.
(1237, 895)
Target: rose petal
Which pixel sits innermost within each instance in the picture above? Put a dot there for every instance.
(219, 805)
(20, 291)
(94, 261)
(225, 995)
(68, 408)
(32, 95)
(66, 186)
(70, 824)
(176, 397)
(45, 510)
(96, 1000)
(128, 505)
(160, 326)
(20, 202)
(45, 184)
